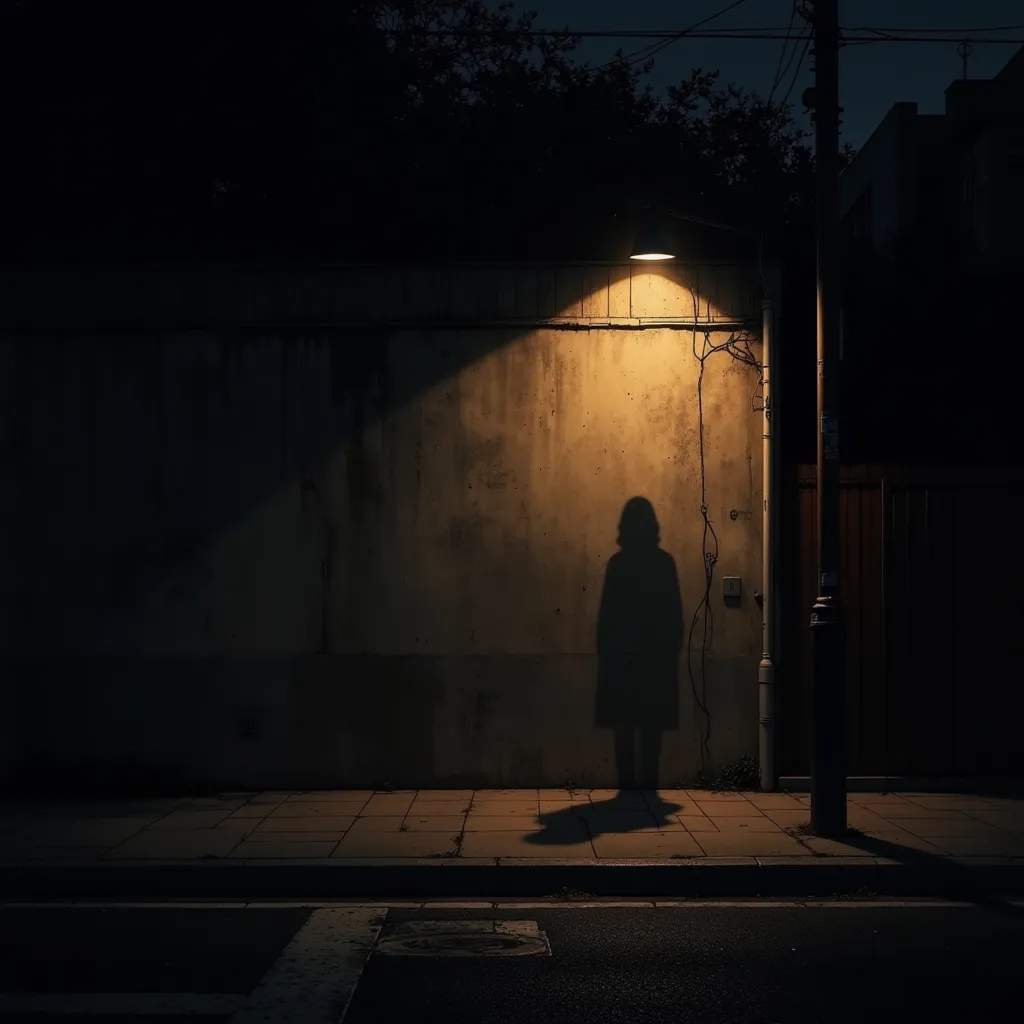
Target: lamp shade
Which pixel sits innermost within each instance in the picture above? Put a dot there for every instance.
(653, 242)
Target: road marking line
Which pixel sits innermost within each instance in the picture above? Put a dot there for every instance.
(191, 905)
(117, 905)
(115, 1004)
(315, 976)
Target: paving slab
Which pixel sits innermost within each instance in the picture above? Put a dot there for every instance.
(745, 823)
(318, 795)
(423, 807)
(508, 843)
(750, 844)
(161, 844)
(664, 845)
(505, 808)
(294, 837)
(774, 801)
(314, 808)
(388, 804)
(525, 823)
(433, 822)
(313, 823)
(696, 822)
(193, 818)
(926, 828)
(414, 845)
(285, 848)
(726, 808)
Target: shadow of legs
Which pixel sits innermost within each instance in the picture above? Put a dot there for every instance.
(650, 757)
(625, 757)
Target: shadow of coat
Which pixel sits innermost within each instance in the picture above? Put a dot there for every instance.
(639, 641)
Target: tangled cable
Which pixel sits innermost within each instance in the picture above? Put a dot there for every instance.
(738, 347)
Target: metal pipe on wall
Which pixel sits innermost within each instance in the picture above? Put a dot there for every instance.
(766, 668)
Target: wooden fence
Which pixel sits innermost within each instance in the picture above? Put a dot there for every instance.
(932, 564)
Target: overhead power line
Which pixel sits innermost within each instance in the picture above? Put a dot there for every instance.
(760, 35)
(652, 50)
(782, 67)
(796, 73)
(942, 40)
(936, 31)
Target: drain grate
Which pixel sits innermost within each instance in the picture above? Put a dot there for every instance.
(464, 938)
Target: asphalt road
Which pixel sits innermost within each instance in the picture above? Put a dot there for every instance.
(766, 962)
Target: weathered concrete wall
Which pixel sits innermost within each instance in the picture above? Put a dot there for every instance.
(331, 554)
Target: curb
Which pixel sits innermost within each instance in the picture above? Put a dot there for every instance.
(481, 879)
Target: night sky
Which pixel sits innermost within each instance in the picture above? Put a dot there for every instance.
(872, 77)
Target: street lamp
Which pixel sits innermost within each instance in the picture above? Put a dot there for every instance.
(653, 243)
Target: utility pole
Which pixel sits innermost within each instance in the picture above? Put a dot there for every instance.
(828, 764)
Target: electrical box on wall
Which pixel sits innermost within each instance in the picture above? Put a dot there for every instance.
(731, 587)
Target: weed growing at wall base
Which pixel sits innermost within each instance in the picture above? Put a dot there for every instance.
(743, 774)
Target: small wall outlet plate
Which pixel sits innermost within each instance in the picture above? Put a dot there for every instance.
(731, 586)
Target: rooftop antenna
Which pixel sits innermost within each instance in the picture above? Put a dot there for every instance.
(963, 51)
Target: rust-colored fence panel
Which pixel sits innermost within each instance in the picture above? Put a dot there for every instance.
(930, 562)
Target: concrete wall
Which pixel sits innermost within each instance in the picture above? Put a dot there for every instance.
(358, 533)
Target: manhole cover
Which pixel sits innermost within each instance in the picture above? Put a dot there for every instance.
(464, 938)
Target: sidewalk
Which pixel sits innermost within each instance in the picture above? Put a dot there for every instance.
(504, 843)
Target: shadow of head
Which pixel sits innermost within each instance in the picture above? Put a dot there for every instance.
(638, 526)
(583, 819)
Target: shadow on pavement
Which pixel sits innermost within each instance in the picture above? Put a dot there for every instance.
(942, 865)
(627, 811)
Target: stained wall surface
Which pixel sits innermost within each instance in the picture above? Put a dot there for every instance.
(351, 526)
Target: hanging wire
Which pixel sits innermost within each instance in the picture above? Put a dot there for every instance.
(779, 72)
(937, 31)
(779, 34)
(738, 347)
(780, 113)
(647, 52)
(796, 72)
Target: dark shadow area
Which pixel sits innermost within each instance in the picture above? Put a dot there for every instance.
(253, 422)
(627, 811)
(639, 640)
(944, 869)
(218, 425)
(121, 777)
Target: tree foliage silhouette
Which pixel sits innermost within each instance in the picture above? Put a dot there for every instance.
(262, 128)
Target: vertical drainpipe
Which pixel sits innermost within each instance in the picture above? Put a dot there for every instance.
(766, 669)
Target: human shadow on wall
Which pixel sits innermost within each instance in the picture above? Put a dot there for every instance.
(639, 641)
